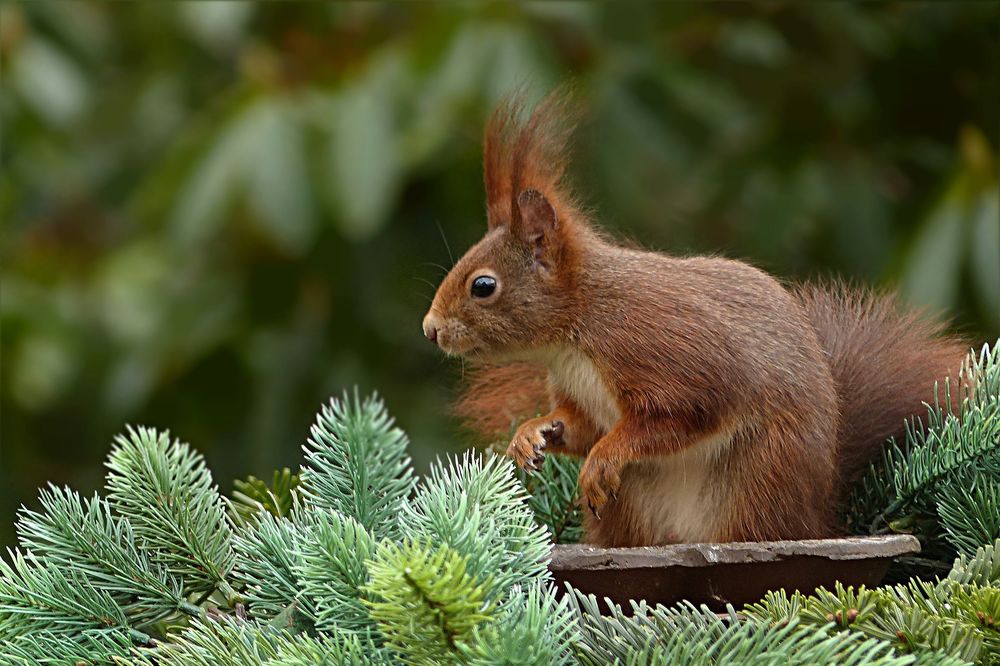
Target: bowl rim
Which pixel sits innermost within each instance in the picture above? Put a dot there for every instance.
(576, 557)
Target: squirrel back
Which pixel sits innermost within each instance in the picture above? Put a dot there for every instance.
(885, 361)
(709, 401)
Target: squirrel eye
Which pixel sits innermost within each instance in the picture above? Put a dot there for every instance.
(483, 286)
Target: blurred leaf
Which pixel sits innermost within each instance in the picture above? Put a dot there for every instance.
(363, 151)
(517, 61)
(986, 253)
(217, 25)
(753, 42)
(43, 366)
(932, 268)
(453, 80)
(131, 292)
(210, 190)
(260, 156)
(277, 181)
(49, 81)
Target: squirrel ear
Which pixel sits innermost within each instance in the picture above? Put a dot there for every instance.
(538, 222)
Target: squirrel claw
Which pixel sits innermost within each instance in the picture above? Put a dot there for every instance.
(600, 481)
(593, 509)
(554, 433)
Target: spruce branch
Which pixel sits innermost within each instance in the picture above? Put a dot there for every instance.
(252, 496)
(85, 537)
(689, 635)
(36, 598)
(922, 484)
(425, 603)
(356, 464)
(475, 505)
(87, 648)
(532, 629)
(910, 629)
(331, 569)
(168, 494)
(268, 556)
(553, 496)
(982, 568)
(972, 518)
(227, 641)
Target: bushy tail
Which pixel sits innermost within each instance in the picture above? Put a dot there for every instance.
(885, 360)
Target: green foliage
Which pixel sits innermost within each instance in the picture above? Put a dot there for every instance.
(36, 598)
(366, 565)
(425, 602)
(972, 518)
(332, 571)
(943, 482)
(269, 563)
(230, 642)
(954, 616)
(531, 629)
(173, 505)
(689, 635)
(981, 568)
(87, 648)
(252, 496)
(86, 538)
(356, 463)
(465, 578)
(476, 506)
(553, 496)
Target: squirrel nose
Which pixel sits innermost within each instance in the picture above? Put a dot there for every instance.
(430, 328)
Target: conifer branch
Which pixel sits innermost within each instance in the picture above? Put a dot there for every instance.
(86, 538)
(356, 464)
(175, 509)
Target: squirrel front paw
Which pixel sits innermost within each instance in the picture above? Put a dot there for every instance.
(531, 439)
(600, 479)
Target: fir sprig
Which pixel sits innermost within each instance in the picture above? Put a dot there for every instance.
(533, 628)
(167, 492)
(84, 537)
(690, 635)
(88, 648)
(427, 606)
(227, 641)
(553, 496)
(476, 506)
(453, 570)
(942, 482)
(269, 561)
(332, 570)
(36, 598)
(356, 464)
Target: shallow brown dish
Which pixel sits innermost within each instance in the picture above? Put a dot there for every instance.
(719, 573)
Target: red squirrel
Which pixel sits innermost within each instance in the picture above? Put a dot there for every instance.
(710, 402)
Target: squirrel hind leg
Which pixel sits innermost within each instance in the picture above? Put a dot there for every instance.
(625, 521)
(617, 527)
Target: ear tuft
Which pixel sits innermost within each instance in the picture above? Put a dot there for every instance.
(538, 218)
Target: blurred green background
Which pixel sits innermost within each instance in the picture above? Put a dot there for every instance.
(216, 215)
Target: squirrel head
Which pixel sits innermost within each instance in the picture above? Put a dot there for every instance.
(513, 290)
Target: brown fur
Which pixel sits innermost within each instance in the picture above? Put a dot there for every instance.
(711, 403)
